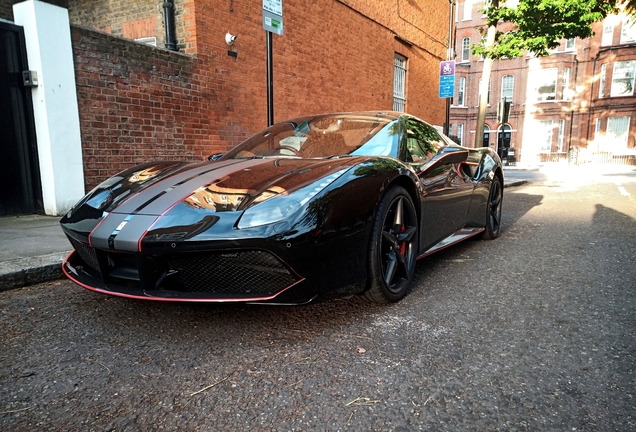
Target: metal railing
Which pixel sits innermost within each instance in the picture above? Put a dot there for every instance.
(586, 156)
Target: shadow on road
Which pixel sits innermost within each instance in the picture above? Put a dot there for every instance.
(230, 325)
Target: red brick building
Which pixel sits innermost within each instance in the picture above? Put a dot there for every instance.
(139, 102)
(577, 104)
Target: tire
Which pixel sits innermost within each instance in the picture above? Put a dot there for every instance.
(493, 210)
(393, 248)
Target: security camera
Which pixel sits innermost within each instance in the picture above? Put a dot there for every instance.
(230, 39)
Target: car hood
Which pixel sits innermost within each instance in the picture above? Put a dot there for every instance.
(139, 197)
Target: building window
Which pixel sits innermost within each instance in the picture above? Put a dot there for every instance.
(617, 132)
(507, 86)
(545, 136)
(399, 83)
(486, 136)
(628, 34)
(468, 9)
(608, 35)
(466, 49)
(561, 136)
(152, 41)
(461, 93)
(460, 133)
(597, 129)
(545, 84)
(623, 78)
(488, 96)
(601, 81)
(567, 94)
(569, 44)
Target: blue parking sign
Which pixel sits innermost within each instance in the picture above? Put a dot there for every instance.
(447, 79)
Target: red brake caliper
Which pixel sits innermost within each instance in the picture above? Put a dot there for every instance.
(403, 245)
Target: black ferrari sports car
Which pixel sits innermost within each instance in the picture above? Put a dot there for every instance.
(310, 208)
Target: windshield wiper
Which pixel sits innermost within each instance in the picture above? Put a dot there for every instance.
(338, 156)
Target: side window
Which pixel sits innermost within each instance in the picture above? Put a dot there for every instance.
(421, 140)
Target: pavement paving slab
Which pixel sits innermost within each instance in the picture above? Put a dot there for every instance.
(32, 249)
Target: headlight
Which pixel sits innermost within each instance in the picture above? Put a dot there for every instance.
(283, 205)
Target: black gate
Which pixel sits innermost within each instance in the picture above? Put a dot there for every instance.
(20, 191)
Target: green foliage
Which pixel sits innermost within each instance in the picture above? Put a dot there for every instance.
(540, 25)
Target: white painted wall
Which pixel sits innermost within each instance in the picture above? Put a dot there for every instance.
(49, 51)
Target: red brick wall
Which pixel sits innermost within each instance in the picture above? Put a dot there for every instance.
(139, 103)
(332, 57)
(6, 9)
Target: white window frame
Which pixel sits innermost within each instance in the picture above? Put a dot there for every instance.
(628, 32)
(608, 35)
(512, 4)
(546, 126)
(567, 95)
(399, 83)
(489, 89)
(601, 81)
(152, 41)
(617, 141)
(553, 74)
(465, 49)
(570, 44)
(626, 70)
(507, 87)
(597, 129)
(460, 133)
(461, 92)
(561, 136)
(468, 9)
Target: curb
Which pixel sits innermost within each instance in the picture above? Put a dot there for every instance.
(22, 272)
(515, 183)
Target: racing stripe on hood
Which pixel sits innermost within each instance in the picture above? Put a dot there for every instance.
(140, 200)
(123, 230)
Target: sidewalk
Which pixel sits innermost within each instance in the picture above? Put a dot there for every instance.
(33, 247)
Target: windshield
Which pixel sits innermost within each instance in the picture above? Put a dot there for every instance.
(331, 135)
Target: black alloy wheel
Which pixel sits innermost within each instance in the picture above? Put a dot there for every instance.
(493, 212)
(393, 248)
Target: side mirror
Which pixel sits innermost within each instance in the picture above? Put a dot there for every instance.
(215, 157)
(453, 155)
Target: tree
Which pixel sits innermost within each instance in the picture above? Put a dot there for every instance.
(538, 26)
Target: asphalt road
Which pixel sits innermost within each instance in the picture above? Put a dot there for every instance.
(532, 331)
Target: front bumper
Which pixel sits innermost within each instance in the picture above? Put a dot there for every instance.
(227, 276)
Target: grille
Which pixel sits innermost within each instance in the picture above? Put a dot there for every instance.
(239, 274)
(87, 253)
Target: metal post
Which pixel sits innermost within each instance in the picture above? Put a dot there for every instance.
(270, 79)
(483, 91)
(449, 56)
(485, 82)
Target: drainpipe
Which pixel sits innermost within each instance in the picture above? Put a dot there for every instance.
(168, 15)
(590, 108)
(576, 74)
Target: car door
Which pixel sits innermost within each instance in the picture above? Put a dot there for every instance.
(446, 187)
